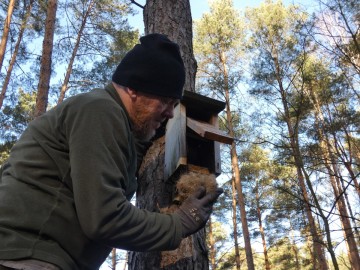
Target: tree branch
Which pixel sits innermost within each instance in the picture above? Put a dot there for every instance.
(137, 4)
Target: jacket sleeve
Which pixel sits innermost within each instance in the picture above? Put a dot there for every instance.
(101, 159)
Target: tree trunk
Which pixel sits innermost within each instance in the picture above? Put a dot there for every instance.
(351, 245)
(64, 86)
(304, 180)
(330, 164)
(235, 227)
(126, 261)
(347, 161)
(113, 259)
(212, 246)
(261, 228)
(356, 230)
(236, 172)
(15, 53)
(172, 18)
(6, 31)
(346, 225)
(45, 66)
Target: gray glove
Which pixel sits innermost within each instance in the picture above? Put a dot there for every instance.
(196, 210)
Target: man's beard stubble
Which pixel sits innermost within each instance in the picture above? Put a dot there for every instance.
(141, 125)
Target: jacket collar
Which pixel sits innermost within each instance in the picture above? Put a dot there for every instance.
(110, 89)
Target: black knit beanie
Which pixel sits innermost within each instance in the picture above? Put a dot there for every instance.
(154, 66)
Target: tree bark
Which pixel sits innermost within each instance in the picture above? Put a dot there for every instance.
(235, 227)
(45, 66)
(6, 31)
(173, 18)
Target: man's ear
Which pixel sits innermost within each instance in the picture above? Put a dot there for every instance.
(132, 93)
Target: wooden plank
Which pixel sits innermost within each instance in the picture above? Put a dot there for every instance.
(175, 141)
(208, 131)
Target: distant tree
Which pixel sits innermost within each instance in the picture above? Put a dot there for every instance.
(216, 239)
(337, 32)
(13, 120)
(277, 40)
(256, 172)
(319, 82)
(96, 39)
(122, 41)
(218, 49)
(6, 30)
(23, 25)
(282, 256)
(105, 41)
(83, 21)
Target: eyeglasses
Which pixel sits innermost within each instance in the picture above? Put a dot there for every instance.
(169, 101)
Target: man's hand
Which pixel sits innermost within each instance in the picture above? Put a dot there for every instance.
(196, 210)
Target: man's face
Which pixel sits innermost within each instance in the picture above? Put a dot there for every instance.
(149, 111)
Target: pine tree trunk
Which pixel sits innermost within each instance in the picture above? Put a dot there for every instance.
(261, 228)
(15, 53)
(126, 261)
(330, 164)
(351, 244)
(236, 172)
(6, 31)
(304, 181)
(353, 177)
(347, 162)
(113, 259)
(235, 227)
(212, 245)
(45, 66)
(356, 230)
(346, 224)
(348, 165)
(172, 18)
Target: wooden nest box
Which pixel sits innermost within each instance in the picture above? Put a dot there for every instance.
(192, 136)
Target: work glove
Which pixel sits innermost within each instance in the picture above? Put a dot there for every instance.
(196, 210)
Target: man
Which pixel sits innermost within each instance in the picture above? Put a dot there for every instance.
(65, 190)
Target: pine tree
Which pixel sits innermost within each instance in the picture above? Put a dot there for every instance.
(218, 40)
(277, 38)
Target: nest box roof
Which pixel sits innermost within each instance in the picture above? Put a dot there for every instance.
(196, 101)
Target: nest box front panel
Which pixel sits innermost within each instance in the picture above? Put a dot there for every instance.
(175, 141)
(192, 136)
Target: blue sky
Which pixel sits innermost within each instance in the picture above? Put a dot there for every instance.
(198, 7)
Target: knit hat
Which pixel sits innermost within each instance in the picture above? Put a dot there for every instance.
(154, 66)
